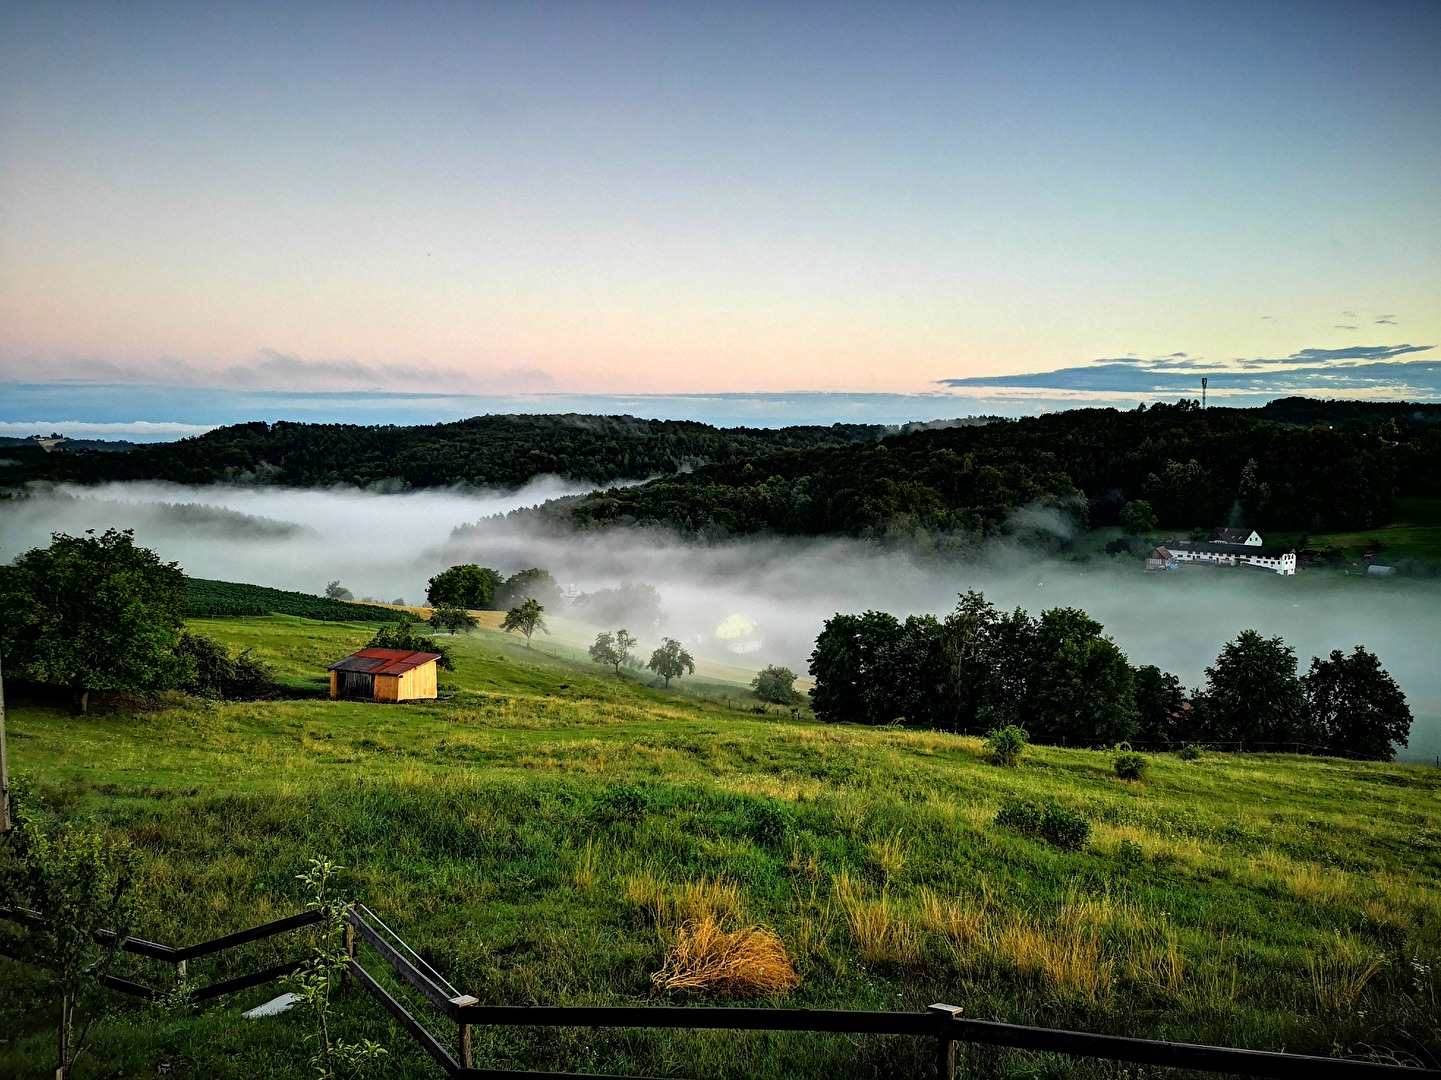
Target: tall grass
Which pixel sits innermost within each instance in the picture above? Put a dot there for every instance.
(548, 835)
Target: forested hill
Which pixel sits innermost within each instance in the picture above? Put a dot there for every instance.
(1293, 465)
(495, 450)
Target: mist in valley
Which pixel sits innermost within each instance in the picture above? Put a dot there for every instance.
(387, 545)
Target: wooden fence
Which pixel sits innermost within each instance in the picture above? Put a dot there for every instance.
(944, 1024)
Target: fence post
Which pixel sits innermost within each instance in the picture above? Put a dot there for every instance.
(945, 1042)
(467, 1060)
(349, 942)
(180, 973)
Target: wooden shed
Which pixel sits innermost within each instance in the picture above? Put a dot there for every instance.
(385, 675)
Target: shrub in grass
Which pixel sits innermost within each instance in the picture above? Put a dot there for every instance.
(1021, 816)
(623, 802)
(1051, 822)
(1065, 828)
(1128, 764)
(1006, 745)
(736, 963)
(1189, 752)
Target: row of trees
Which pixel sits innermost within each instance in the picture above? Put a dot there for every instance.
(1293, 465)
(617, 649)
(1061, 678)
(505, 450)
(480, 588)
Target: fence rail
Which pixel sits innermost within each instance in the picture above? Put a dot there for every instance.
(943, 1023)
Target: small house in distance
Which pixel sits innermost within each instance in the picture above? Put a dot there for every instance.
(385, 675)
(1242, 537)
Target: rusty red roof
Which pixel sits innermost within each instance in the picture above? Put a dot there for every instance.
(384, 661)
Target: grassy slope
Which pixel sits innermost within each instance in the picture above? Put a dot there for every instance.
(535, 836)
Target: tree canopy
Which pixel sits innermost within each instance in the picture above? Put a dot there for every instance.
(1355, 707)
(614, 649)
(777, 686)
(93, 613)
(1253, 694)
(525, 618)
(671, 660)
(1060, 678)
(452, 619)
(403, 635)
(466, 586)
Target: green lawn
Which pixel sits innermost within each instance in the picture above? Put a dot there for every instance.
(538, 837)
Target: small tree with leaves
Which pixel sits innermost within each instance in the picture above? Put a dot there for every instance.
(336, 591)
(402, 635)
(452, 619)
(777, 685)
(79, 882)
(526, 619)
(1138, 518)
(334, 1059)
(671, 661)
(614, 649)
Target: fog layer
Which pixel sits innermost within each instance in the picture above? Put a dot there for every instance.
(387, 545)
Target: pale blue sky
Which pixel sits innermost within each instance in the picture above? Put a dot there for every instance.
(616, 198)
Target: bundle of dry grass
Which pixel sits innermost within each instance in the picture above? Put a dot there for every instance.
(737, 963)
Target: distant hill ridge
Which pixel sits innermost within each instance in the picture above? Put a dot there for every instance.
(484, 450)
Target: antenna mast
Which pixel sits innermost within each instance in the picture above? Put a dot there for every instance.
(1203, 391)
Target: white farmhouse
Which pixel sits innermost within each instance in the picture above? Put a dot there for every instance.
(1242, 548)
(1243, 537)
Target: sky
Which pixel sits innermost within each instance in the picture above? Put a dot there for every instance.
(1038, 202)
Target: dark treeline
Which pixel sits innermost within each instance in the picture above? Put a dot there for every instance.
(1064, 681)
(495, 450)
(1295, 464)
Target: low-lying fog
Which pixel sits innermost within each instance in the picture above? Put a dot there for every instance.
(387, 545)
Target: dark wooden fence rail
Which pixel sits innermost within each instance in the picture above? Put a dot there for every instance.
(943, 1023)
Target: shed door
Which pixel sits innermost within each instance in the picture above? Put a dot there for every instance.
(356, 684)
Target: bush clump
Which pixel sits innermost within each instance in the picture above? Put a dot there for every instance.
(1051, 822)
(1006, 745)
(1128, 764)
(1189, 752)
(210, 671)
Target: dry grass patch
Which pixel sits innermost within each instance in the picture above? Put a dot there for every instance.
(881, 933)
(1340, 972)
(668, 906)
(889, 855)
(738, 963)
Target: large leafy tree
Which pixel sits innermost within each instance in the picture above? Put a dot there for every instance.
(94, 613)
(533, 584)
(465, 586)
(1083, 688)
(1355, 707)
(1162, 713)
(847, 665)
(1253, 694)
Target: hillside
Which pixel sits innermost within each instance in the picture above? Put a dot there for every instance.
(484, 450)
(204, 597)
(1295, 465)
(537, 836)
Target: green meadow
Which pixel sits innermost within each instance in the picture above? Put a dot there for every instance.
(540, 836)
